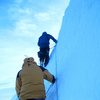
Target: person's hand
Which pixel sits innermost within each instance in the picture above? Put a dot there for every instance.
(53, 80)
(56, 42)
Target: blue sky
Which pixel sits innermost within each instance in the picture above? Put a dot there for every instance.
(21, 23)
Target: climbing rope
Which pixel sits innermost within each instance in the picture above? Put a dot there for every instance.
(56, 71)
(52, 47)
(49, 88)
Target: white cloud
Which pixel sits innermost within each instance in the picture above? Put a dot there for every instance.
(24, 11)
(27, 21)
(24, 27)
(42, 16)
(19, 1)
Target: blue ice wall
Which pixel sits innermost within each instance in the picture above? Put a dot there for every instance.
(76, 58)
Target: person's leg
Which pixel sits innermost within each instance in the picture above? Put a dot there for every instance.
(46, 60)
(42, 62)
(41, 56)
(46, 57)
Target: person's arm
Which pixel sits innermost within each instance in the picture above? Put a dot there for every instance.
(51, 37)
(18, 84)
(48, 76)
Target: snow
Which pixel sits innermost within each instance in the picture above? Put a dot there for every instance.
(7, 93)
(76, 57)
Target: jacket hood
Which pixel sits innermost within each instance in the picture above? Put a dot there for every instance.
(29, 61)
(44, 33)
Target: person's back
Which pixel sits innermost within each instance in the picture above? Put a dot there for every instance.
(44, 39)
(30, 83)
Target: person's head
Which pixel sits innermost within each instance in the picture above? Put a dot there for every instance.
(29, 61)
(44, 33)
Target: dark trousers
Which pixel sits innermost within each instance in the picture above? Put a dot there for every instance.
(43, 55)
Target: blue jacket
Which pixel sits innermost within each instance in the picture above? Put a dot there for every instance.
(44, 40)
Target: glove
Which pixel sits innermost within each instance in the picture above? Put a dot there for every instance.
(53, 80)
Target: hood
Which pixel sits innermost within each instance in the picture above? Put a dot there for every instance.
(29, 61)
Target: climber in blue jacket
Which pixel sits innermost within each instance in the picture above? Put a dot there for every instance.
(43, 43)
